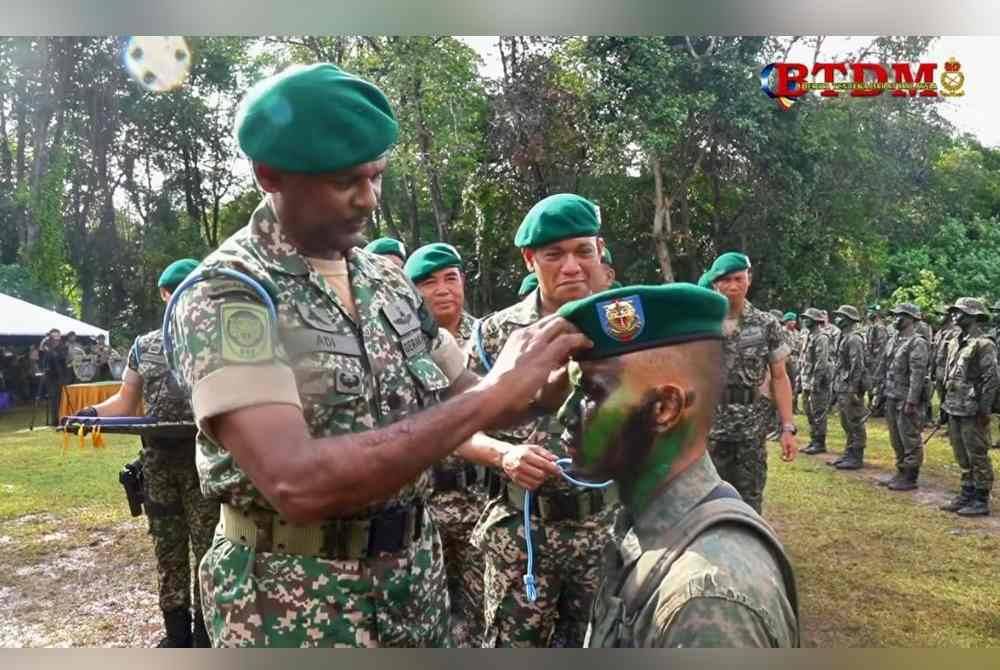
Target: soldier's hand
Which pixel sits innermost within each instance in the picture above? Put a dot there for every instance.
(789, 446)
(529, 357)
(529, 465)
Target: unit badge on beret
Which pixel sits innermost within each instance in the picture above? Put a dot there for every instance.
(622, 318)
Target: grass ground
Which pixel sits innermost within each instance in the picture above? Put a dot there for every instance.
(874, 568)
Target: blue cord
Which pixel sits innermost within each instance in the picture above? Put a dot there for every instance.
(530, 589)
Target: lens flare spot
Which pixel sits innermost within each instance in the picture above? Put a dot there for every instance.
(158, 63)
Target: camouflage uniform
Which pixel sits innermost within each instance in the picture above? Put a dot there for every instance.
(925, 330)
(736, 440)
(939, 360)
(180, 517)
(795, 341)
(816, 387)
(876, 339)
(376, 578)
(848, 385)
(459, 496)
(970, 386)
(568, 535)
(732, 586)
(904, 382)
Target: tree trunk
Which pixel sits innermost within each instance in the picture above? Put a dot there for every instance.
(662, 224)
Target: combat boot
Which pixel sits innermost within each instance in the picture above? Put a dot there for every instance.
(805, 449)
(200, 635)
(980, 505)
(178, 625)
(817, 447)
(907, 480)
(852, 460)
(888, 479)
(964, 497)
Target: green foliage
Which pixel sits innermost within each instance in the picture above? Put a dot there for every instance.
(47, 255)
(926, 293)
(17, 280)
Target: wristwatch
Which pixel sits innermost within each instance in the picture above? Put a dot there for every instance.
(789, 428)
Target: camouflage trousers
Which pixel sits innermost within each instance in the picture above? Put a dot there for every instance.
(817, 410)
(744, 465)
(567, 569)
(455, 513)
(970, 444)
(904, 434)
(852, 419)
(266, 599)
(181, 520)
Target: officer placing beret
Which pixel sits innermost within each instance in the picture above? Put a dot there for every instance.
(559, 242)
(693, 565)
(754, 347)
(391, 248)
(319, 421)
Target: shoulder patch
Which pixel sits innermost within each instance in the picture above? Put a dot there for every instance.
(245, 333)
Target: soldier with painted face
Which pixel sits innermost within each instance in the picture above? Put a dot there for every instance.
(180, 517)
(849, 387)
(906, 371)
(817, 380)
(692, 564)
(436, 271)
(939, 352)
(795, 341)
(971, 382)
(754, 348)
(389, 248)
(322, 405)
(876, 337)
(559, 243)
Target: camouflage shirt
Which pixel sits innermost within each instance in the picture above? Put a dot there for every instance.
(750, 345)
(725, 590)
(162, 395)
(906, 367)
(466, 329)
(544, 431)
(850, 362)
(834, 334)
(970, 380)
(815, 373)
(348, 375)
(940, 350)
(876, 336)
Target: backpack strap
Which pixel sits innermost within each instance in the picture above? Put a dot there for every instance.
(722, 505)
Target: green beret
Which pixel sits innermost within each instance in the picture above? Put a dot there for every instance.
(386, 246)
(703, 280)
(616, 284)
(727, 263)
(789, 316)
(556, 218)
(528, 284)
(430, 258)
(606, 257)
(176, 272)
(633, 318)
(315, 119)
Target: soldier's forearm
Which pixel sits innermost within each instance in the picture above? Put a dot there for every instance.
(484, 450)
(781, 391)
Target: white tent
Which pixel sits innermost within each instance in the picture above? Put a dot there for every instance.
(22, 320)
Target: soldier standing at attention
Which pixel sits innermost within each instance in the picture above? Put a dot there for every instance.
(790, 324)
(939, 352)
(970, 387)
(695, 566)
(876, 337)
(179, 515)
(436, 270)
(317, 424)
(558, 241)
(904, 390)
(388, 247)
(753, 348)
(924, 329)
(849, 385)
(816, 380)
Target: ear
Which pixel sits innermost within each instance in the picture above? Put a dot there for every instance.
(529, 259)
(671, 407)
(268, 178)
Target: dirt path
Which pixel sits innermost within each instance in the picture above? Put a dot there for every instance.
(70, 586)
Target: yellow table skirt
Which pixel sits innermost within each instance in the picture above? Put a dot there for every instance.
(77, 396)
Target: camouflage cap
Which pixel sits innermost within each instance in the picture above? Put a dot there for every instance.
(387, 246)
(996, 306)
(315, 119)
(907, 308)
(849, 311)
(776, 313)
(970, 306)
(813, 313)
(176, 272)
(633, 318)
(558, 217)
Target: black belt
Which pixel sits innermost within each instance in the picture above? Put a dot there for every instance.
(740, 395)
(457, 479)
